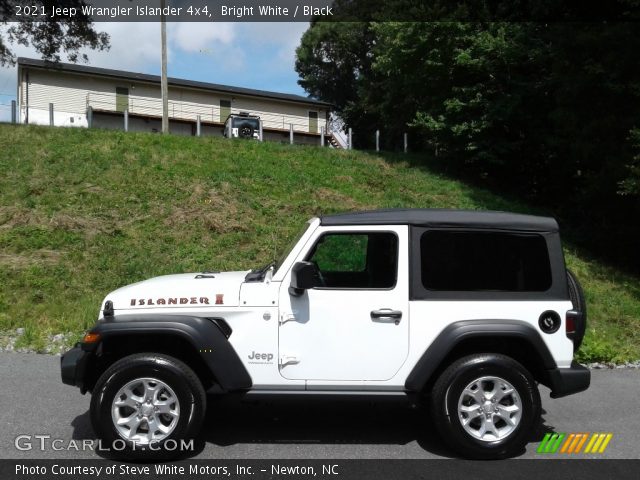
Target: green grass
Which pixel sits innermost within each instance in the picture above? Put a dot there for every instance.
(83, 212)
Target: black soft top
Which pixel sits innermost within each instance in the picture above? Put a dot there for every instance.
(444, 218)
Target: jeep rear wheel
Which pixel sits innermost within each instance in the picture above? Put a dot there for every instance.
(145, 404)
(485, 406)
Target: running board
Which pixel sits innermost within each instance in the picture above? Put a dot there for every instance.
(361, 393)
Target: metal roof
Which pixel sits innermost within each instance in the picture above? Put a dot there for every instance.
(444, 218)
(143, 77)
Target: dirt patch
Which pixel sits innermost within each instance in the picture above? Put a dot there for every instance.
(344, 178)
(338, 200)
(11, 217)
(216, 209)
(91, 188)
(379, 163)
(89, 226)
(38, 257)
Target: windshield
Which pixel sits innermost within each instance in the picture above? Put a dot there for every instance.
(290, 246)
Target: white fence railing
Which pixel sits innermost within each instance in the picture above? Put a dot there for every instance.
(189, 111)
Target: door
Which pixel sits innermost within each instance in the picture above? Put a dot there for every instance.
(313, 122)
(225, 110)
(354, 324)
(122, 99)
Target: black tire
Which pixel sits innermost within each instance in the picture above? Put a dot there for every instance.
(448, 390)
(171, 371)
(580, 304)
(245, 130)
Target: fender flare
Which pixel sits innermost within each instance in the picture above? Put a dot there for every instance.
(208, 336)
(460, 331)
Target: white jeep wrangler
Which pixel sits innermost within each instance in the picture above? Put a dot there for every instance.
(468, 310)
(242, 125)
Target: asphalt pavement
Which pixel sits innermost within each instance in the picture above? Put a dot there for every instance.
(33, 401)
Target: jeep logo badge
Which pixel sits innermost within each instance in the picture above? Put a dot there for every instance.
(256, 357)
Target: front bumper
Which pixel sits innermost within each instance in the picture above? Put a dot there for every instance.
(73, 366)
(566, 381)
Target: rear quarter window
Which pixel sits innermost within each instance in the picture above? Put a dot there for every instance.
(461, 261)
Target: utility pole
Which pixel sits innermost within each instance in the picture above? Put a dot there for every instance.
(164, 86)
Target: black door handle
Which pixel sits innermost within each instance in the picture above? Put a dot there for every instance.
(386, 314)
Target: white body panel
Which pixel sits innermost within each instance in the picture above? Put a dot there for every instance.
(325, 339)
(330, 333)
(429, 318)
(175, 293)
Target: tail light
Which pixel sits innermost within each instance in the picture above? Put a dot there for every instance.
(570, 323)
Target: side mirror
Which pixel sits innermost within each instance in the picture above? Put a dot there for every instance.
(304, 275)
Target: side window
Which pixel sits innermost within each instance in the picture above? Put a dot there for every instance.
(484, 261)
(357, 260)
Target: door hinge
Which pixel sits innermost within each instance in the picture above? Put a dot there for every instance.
(287, 317)
(288, 360)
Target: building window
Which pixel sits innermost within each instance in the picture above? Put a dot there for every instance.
(313, 122)
(122, 99)
(225, 110)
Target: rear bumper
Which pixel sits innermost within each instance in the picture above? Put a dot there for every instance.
(73, 365)
(566, 381)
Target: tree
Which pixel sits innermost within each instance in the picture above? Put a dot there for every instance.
(333, 63)
(545, 111)
(50, 37)
(631, 184)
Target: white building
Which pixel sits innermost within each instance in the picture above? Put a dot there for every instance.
(77, 90)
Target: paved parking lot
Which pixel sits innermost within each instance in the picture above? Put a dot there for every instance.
(35, 402)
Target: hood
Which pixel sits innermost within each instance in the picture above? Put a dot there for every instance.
(183, 290)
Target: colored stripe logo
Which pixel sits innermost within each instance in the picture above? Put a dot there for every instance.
(573, 443)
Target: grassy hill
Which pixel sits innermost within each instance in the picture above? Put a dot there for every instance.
(84, 212)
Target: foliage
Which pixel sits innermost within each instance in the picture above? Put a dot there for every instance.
(547, 111)
(50, 37)
(83, 212)
(332, 61)
(342, 253)
(631, 184)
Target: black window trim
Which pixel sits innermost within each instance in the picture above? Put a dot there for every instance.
(311, 251)
(417, 291)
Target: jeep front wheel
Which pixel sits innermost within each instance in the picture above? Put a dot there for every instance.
(486, 406)
(145, 404)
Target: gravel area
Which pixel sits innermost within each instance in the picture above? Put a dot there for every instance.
(55, 344)
(605, 365)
